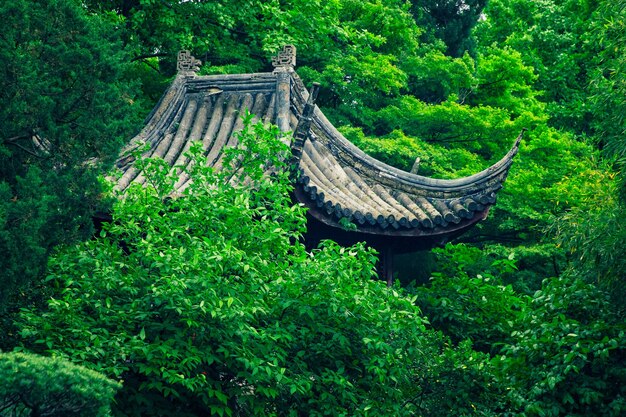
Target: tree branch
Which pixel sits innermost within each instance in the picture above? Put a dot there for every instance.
(452, 139)
(9, 402)
(28, 151)
(16, 138)
(482, 238)
(146, 56)
(499, 80)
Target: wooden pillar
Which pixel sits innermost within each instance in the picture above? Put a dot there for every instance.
(386, 265)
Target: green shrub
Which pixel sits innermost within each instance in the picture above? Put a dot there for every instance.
(208, 304)
(567, 355)
(474, 307)
(32, 385)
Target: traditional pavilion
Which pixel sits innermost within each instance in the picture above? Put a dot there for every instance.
(393, 210)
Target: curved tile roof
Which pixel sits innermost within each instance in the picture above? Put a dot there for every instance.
(337, 180)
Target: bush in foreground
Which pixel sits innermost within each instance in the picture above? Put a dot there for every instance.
(208, 303)
(32, 385)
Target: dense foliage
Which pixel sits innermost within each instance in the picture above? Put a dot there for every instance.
(559, 352)
(65, 111)
(209, 304)
(37, 386)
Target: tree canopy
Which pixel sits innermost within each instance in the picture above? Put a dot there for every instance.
(209, 304)
(65, 109)
(227, 314)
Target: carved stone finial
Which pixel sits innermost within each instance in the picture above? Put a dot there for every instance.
(186, 62)
(286, 58)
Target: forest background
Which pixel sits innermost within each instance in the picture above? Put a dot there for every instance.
(169, 315)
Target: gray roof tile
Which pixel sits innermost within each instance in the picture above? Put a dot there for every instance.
(337, 180)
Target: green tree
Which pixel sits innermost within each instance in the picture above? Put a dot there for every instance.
(208, 303)
(358, 50)
(567, 355)
(65, 111)
(450, 21)
(472, 307)
(609, 79)
(32, 386)
(554, 39)
(592, 231)
(559, 352)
